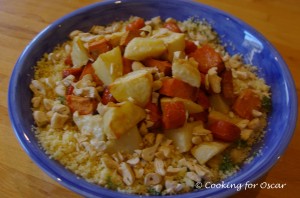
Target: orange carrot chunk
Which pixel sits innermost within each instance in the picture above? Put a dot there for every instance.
(126, 65)
(83, 105)
(225, 131)
(190, 47)
(128, 36)
(162, 66)
(227, 86)
(172, 26)
(107, 97)
(154, 115)
(88, 69)
(68, 60)
(202, 116)
(246, 102)
(137, 24)
(98, 47)
(202, 99)
(207, 58)
(72, 71)
(173, 87)
(173, 114)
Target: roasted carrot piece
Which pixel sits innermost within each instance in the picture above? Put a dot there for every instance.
(172, 26)
(137, 24)
(107, 97)
(173, 114)
(68, 60)
(70, 89)
(207, 58)
(225, 131)
(83, 105)
(190, 47)
(202, 116)
(126, 65)
(227, 86)
(72, 71)
(154, 115)
(202, 99)
(128, 36)
(162, 66)
(173, 87)
(88, 69)
(246, 102)
(98, 47)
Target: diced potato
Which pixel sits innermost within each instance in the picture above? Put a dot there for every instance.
(136, 85)
(114, 38)
(119, 119)
(174, 41)
(187, 71)
(218, 103)
(189, 105)
(182, 137)
(79, 53)
(206, 150)
(141, 48)
(109, 66)
(89, 125)
(216, 115)
(128, 142)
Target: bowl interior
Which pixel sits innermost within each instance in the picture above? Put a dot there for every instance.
(238, 37)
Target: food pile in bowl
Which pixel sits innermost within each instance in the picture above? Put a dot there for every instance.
(150, 107)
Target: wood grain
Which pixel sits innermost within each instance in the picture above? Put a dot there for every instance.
(21, 20)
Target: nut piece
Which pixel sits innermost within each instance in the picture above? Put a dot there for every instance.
(193, 176)
(133, 161)
(127, 173)
(139, 172)
(40, 118)
(37, 88)
(159, 166)
(109, 163)
(149, 153)
(58, 120)
(152, 179)
(36, 101)
(62, 109)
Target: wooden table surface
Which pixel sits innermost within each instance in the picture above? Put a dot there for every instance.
(22, 20)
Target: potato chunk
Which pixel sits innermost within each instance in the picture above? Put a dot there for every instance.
(128, 142)
(141, 48)
(136, 85)
(189, 105)
(182, 137)
(79, 54)
(206, 150)
(174, 41)
(187, 71)
(119, 119)
(109, 66)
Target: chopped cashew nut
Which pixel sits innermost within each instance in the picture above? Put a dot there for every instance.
(127, 173)
(152, 179)
(58, 120)
(40, 118)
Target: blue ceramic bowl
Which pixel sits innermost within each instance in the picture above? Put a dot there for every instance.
(240, 37)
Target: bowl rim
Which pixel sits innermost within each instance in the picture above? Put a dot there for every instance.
(265, 166)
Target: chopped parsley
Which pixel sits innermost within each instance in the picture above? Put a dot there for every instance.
(62, 99)
(266, 104)
(152, 191)
(241, 144)
(226, 165)
(110, 184)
